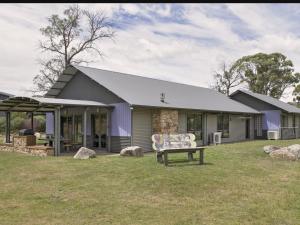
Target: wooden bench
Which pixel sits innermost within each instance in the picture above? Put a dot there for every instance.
(164, 144)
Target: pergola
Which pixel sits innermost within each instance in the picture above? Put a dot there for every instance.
(45, 105)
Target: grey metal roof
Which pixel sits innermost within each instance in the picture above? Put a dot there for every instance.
(270, 100)
(143, 91)
(5, 94)
(27, 104)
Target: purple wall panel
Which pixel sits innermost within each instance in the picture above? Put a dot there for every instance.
(121, 120)
(49, 123)
(271, 119)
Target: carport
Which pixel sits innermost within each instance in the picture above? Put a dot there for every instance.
(54, 106)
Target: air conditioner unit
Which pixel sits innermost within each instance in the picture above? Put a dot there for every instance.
(273, 135)
(217, 137)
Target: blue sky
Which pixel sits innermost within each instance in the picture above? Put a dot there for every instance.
(178, 42)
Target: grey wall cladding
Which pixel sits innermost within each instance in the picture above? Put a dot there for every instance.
(84, 88)
(118, 143)
(253, 102)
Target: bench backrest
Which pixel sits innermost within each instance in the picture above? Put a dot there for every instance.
(171, 141)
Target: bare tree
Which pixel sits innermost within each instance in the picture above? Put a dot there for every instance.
(226, 78)
(67, 38)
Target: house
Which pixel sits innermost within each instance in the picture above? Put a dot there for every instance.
(276, 115)
(134, 107)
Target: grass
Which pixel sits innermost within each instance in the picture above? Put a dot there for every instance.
(238, 185)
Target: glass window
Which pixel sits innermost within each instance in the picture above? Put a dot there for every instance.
(66, 127)
(78, 136)
(258, 125)
(223, 125)
(194, 124)
(284, 120)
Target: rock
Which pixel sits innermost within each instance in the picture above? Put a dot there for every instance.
(132, 151)
(270, 148)
(85, 153)
(295, 149)
(283, 153)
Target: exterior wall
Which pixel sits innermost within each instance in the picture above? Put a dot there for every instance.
(211, 125)
(83, 88)
(120, 127)
(121, 120)
(165, 121)
(237, 128)
(118, 143)
(142, 128)
(253, 102)
(271, 120)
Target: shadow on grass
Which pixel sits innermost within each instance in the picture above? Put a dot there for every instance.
(184, 162)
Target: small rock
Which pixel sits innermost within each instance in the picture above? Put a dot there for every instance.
(283, 153)
(295, 149)
(270, 148)
(85, 153)
(132, 151)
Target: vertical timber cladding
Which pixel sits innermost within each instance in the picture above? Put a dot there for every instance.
(149, 121)
(142, 128)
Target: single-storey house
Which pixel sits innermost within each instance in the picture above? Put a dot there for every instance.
(276, 115)
(132, 108)
(109, 110)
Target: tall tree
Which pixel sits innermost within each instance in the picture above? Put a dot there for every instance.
(269, 74)
(67, 39)
(296, 94)
(226, 78)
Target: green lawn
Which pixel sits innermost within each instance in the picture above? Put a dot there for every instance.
(238, 185)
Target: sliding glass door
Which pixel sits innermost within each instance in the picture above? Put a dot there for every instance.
(194, 126)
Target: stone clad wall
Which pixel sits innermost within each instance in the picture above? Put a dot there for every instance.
(22, 141)
(165, 121)
(31, 150)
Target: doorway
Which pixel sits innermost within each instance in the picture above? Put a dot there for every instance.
(99, 130)
(247, 136)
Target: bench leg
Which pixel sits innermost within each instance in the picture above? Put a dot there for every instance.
(166, 158)
(159, 157)
(190, 156)
(201, 158)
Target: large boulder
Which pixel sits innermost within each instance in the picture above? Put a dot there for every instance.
(270, 148)
(132, 151)
(283, 153)
(85, 153)
(295, 149)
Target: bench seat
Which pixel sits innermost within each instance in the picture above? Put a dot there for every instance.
(164, 144)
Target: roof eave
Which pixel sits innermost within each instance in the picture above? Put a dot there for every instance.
(204, 110)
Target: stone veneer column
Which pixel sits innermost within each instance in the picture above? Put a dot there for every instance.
(165, 121)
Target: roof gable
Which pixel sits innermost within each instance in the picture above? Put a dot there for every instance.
(270, 100)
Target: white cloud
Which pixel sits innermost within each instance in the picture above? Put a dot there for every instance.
(185, 52)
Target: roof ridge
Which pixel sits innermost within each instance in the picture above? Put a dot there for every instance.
(128, 74)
